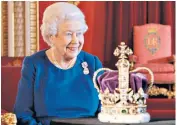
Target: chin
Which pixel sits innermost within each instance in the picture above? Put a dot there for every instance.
(72, 55)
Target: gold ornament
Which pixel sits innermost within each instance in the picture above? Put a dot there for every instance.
(74, 2)
(8, 119)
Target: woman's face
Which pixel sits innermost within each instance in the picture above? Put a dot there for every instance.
(70, 39)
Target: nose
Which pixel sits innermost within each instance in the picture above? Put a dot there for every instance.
(74, 38)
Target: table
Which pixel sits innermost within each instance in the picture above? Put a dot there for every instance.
(95, 121)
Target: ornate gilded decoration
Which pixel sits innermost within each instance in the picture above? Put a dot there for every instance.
(152, 40)
(74, 2)
(4, 33)
(20, 28)
(34, 36)
(8, 119)
(16, 62)
(123, 105)
(156, 91)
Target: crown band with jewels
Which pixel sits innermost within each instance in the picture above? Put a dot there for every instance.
(123, 105)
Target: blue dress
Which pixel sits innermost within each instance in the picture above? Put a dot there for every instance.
(46, 92)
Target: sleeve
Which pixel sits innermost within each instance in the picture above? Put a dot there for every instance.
(24, 108)
(98, 65)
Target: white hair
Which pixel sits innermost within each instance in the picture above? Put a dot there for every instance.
(56, 14)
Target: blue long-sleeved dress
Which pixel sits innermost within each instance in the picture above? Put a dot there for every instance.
(46, 92)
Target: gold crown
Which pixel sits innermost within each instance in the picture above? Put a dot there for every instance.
(124, 105)
(152, 30)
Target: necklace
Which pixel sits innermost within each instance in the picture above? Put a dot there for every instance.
(71, 63)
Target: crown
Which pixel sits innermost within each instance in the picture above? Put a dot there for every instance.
(121, 104)
(152, 30)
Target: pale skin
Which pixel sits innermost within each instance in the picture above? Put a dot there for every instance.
(68, 43)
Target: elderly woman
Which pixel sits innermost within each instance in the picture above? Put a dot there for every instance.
(57, 82)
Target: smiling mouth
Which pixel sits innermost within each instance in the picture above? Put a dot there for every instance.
(73, 48)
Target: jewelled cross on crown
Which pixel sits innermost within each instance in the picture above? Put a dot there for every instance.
(123, 69)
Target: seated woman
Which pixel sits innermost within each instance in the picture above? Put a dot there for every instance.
(57, 82)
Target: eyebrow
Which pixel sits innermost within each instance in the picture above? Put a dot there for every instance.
(73, 31)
